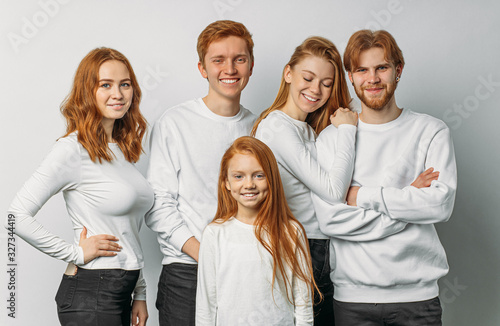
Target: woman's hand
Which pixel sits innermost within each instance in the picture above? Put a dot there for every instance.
(425, 178)
(139, 313)
(344, 116)
(98, 245)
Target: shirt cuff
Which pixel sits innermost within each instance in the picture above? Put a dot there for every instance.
(365, 196)
(180, 236)
(80, 259)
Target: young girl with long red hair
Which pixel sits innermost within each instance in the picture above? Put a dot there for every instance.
(255, 266)
(106, 196)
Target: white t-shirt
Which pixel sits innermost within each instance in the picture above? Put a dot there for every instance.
(234, 282)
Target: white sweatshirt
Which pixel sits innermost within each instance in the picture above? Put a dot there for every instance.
(374, 266)
(106, 198)
(234, 282)
(293, 144)
(187, 144)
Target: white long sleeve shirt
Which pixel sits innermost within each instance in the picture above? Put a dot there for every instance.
(293, 144)
(187, 144)
(234, 282)
(372, 265)
(106, 198)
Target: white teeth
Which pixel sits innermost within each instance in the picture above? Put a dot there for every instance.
(249, 195)
(310, 98)
(229, 81)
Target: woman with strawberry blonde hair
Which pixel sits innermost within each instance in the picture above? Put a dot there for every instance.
(255, 265)
(313, 93)
(106, 196)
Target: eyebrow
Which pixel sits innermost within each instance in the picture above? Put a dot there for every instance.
(223, 56)
(111, 80)
(315, 74)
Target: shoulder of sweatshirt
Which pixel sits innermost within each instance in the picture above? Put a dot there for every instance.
(427, 120)
(179, 111)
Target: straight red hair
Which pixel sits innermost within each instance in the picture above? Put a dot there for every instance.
(83, 115)
(276, 228)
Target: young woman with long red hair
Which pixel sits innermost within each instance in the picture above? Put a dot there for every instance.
(106, 196)
(313, 94)
(255, 266)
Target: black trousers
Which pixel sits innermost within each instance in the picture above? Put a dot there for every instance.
(421, 313)
(320, 254)
(176, 299)
(96, 297)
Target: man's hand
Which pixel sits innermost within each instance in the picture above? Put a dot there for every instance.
(425, 178)
(192, 248)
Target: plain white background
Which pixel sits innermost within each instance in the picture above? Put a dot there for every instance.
(452, 58)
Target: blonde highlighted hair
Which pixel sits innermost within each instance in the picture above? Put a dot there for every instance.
(322, 48)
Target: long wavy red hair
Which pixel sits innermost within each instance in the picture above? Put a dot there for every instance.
(276, 228)
(83, 115)
(322, 48)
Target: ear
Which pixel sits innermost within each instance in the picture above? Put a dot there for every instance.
(287, 74)
(202, 70)
(251, 68)
(227, 185)
(349, 74)
(399, 70)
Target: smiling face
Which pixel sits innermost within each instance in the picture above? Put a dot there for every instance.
(114, 92)
(228, 68)
(247, 183)
(311, 83)
(375, 79)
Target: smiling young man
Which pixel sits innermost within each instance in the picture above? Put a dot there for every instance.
(187, 144)
(387, 254)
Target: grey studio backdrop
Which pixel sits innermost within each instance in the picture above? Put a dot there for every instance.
(452, 58)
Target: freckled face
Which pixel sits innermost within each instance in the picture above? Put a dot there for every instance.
(247, 183)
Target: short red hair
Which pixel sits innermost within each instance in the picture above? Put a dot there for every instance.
(83, 115)
(219, 30)
(366, 39)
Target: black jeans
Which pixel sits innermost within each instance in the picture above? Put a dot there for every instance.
(176, 299)
(96, 297)
(421, 313)
(320, 254)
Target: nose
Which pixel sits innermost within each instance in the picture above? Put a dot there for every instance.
(249, 183)
(315, 87)
(230, 68)
(373, 78)
(117, 92)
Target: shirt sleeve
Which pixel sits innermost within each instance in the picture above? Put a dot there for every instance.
(303, 308)
(164, 217)
(354, 223)
(343, 221)
(330, 184)
(206, 291)
(425, 205)
(59, 171)
(140, 288)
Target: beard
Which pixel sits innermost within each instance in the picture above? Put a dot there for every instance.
(376, 103)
